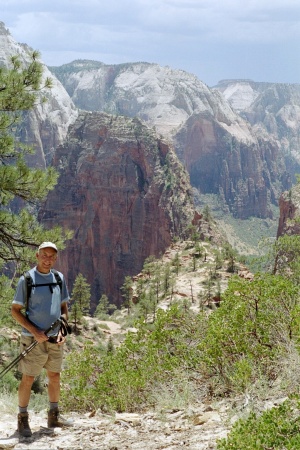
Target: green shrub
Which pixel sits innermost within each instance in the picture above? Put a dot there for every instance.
(240, 345)
(276, 429)
(123, 379)
(78, 376)
(8, 383)
(251, 331)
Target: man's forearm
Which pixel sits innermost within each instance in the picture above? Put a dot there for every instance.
(64, 311)
(23, 321)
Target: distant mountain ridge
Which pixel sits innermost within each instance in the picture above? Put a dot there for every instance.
(246, 165)
(134, 90)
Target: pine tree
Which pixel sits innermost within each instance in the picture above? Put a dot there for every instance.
(231, 255)
(149, 266)
(127, 293)
(176, 263)
(207, 214)
(166, 278)
(144, 305)
(110, 346)
(75, 316)
(20, 233)
(81, 298)
(104, 308)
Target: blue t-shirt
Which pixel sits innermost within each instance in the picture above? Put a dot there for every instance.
(44, 306)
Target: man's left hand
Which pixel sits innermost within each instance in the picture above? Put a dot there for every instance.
(60, 339)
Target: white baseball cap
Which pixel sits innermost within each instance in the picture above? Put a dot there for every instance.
(48, 244)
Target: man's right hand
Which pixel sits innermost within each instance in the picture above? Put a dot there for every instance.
(40, 336)
(23, 321)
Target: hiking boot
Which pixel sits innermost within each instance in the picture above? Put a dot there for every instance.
(56, 420)
(23, 425)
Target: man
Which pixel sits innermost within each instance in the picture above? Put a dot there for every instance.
(48, 301)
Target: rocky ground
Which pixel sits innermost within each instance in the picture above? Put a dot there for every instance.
(196, 429)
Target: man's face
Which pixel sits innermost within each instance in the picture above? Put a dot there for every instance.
(46, 258)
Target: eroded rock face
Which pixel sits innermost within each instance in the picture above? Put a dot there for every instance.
(125, 195)
(46, 126)
(236, 167)
(273, 110)
(289, 207)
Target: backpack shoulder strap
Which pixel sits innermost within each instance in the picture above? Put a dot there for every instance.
(58, 278)
(29, 284)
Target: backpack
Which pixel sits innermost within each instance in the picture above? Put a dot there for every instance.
(30, 284)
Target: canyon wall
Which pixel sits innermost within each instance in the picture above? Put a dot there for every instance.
(124, 194)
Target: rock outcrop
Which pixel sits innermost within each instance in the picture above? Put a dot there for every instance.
(289, 212)
(123, 192)
(45, 127)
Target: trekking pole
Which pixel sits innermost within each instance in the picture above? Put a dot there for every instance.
(27, 350)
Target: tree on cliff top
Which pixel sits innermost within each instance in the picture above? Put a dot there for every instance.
(20, 233)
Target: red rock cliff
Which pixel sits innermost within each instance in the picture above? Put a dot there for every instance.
(123, 192)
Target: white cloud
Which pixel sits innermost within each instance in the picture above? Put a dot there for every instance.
(202, 36)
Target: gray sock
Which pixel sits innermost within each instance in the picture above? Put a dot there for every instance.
(53, 405)
(23, 409)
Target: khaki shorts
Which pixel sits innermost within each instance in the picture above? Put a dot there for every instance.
(44, 355)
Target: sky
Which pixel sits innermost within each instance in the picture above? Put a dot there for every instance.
(212, 39)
